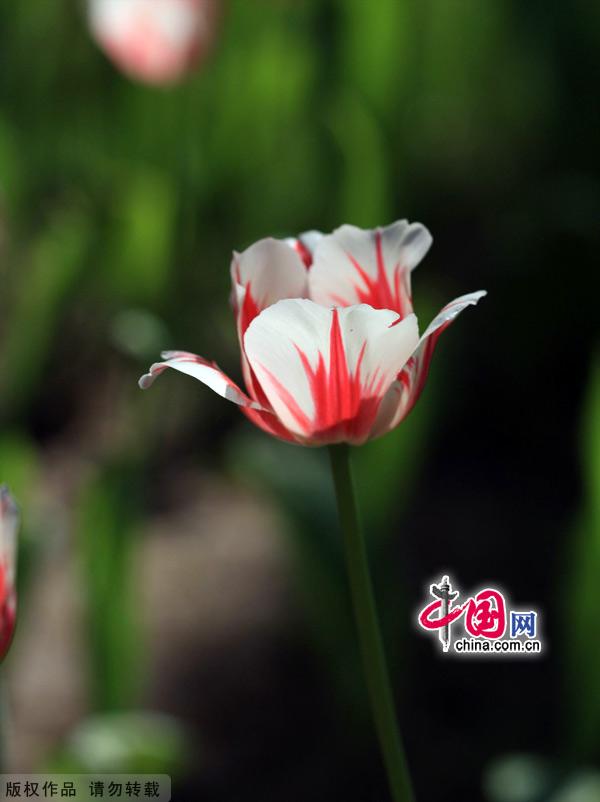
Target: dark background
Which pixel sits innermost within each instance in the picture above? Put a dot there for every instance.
(173, 559)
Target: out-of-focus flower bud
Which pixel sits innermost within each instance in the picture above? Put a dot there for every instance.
(9, 524)
(155, 41)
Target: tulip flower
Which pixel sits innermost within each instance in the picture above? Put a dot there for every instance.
(331, 355)
(9, 522)
(156, 41)
(329, 343)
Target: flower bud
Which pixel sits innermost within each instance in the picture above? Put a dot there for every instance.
(9, 524)
(154, 41)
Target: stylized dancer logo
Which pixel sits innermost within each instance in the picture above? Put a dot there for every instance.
(443, 591)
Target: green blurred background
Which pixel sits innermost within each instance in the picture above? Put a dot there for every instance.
(182, 598)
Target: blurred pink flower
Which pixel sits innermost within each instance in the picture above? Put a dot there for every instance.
(329, 343)
(156, 41)
(9, 524)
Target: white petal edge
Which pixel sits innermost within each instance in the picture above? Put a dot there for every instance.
(399, 399)
(307, 239)
(272, 269)
(452, 310)
(199, 368)
(333, 276)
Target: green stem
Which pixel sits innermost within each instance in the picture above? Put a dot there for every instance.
(369, 633)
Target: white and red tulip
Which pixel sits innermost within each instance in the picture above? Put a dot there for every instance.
(9, 524)
(156, 41)
(329, 342)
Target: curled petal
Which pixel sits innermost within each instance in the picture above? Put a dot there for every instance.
(405, 391)
(325, 371)
(451, 311)
(354, 266)
(206, 372)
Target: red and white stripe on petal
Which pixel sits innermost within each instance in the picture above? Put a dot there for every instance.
(266, 272)
(406, 390)
(325, 371)
(269, 423)
(206, 372)
(304, 245)
(372, 267)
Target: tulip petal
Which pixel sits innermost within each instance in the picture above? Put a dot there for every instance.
(354, 266)
(451, 311)
(264, 273)
(206, 372)
(406, 390)
(304, 245)
(324, 371)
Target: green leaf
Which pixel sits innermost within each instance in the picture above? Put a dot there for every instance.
(106, 541)
(143, 219)
(582, 590)
(33, 316)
